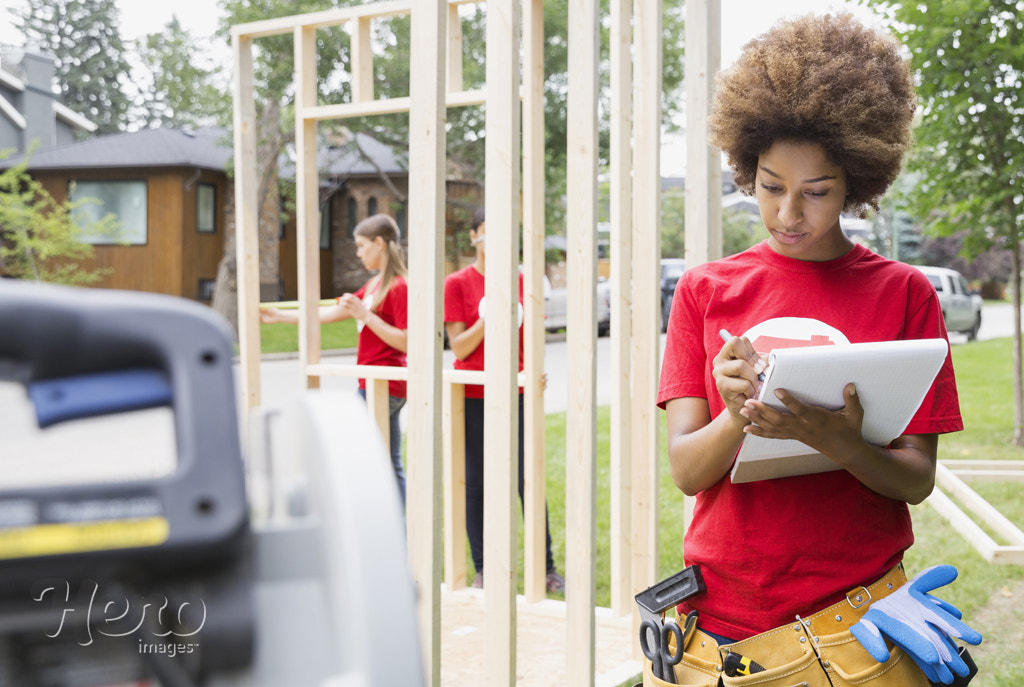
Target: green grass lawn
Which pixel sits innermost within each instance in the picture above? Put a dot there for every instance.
(983, 371)
(284, 338)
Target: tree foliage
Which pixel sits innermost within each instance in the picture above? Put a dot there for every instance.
(91, 65)
(178, 87)
(39, 240)
(969, 146)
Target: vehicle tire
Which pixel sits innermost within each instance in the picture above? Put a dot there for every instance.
(972, 333)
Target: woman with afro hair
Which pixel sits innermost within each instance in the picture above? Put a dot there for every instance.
(814, 118)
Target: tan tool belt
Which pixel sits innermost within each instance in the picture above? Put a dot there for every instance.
(817, 651)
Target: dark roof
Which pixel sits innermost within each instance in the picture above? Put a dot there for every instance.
(346, 160)
(206, 148)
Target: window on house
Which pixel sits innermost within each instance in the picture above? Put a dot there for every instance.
(371, 206)
(206, 208)
(125, 200)
(352, 215)
(325, 225)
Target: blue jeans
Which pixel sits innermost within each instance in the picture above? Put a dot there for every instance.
(395, 404)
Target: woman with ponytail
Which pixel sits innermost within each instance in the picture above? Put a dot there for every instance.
(381, 310)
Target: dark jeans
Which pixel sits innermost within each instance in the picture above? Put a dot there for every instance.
(394, 405)
(475, 482)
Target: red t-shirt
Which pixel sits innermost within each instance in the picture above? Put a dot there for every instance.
(372, 350)
(463, 294)
(773, 549)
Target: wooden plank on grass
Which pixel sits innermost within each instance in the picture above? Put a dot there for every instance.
(974, 502)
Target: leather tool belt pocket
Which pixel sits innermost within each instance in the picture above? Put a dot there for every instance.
(817, 651)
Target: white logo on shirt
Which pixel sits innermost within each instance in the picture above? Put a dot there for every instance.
(482, 307)
(368, 304)
(793, 332)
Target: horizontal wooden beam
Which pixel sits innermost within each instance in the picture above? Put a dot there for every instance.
(977, 537)
(364, 371)
(383, 106)
(1009, 465)
(974, 502)
(328, 18)
(397, 373)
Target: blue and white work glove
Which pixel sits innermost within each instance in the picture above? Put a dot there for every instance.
(921, 624)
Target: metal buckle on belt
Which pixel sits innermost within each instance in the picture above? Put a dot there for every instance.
(859, 600)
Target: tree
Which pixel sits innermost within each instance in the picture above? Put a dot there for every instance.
(91, 67)
(176, 86)
(969, 145)
(273, 74)
(39, 240)
(673, 222)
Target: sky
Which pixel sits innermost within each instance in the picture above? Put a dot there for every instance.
(742, 21)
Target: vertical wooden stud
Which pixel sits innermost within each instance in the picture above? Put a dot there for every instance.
(454, 431)
(581, 339)
(307, 201)
(621, 205)
(362, 61)
(646, 300)
(426, 272)
(534, 537)
(703, 163)
(455, 83)
(246, 224)
(501, 336)
(378, 404)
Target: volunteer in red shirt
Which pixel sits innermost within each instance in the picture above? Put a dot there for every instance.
(464, 312)
(814, 119)
(381, 310)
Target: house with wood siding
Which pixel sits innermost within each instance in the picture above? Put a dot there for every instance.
(174, 204)
(168, 191)
(30, 114)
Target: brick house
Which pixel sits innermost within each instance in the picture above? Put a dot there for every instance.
(360, 177)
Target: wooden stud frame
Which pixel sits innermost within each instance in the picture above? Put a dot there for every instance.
(435, 399)
(948, 477)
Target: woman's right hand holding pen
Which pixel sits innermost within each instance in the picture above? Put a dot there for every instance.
(738, 372)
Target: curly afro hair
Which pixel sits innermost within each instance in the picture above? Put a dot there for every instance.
(824, 79)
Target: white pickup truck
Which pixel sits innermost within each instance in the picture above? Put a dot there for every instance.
(960, 308)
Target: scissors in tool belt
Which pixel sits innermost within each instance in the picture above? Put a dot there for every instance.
(660, 656)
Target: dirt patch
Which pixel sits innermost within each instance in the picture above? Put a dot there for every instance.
(1001, 623)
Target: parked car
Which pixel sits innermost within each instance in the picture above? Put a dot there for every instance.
(556, 309)
(960, 307)
(671, 270)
